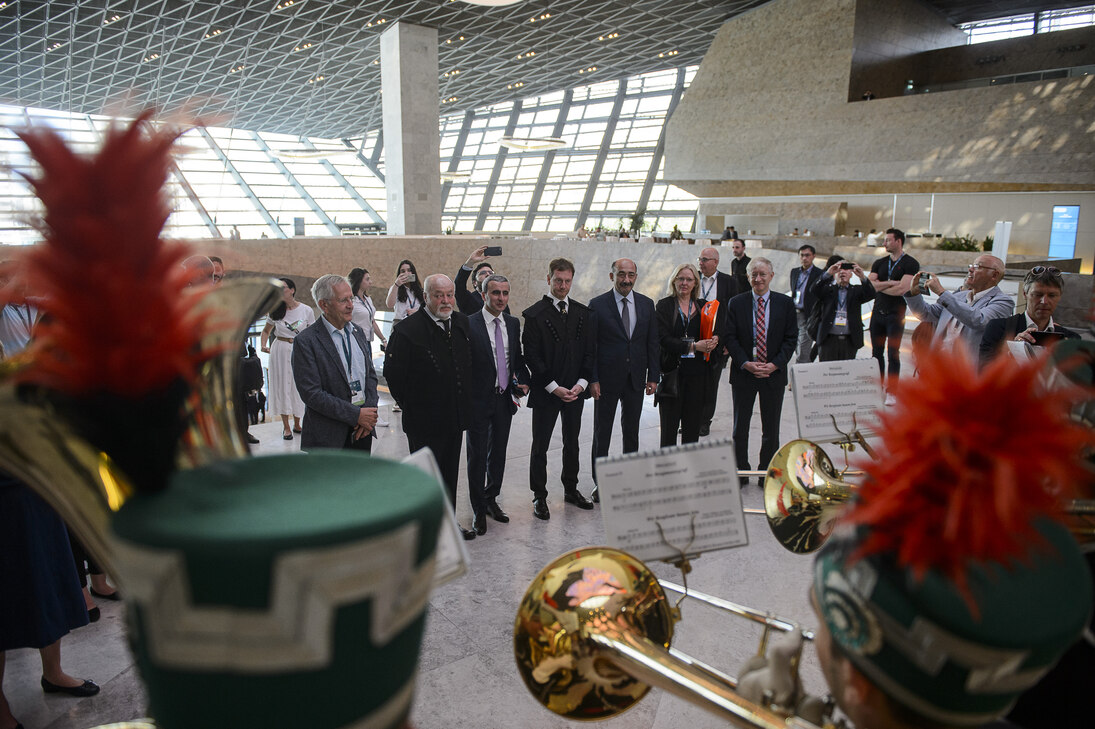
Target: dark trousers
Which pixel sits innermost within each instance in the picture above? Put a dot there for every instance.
(544, 416)
(604, 417)
(361, 444)
(685, 411)
(712, 399)
(771, 393)
(446, 449)
(835, 348)
(487, 438)
(886, 330)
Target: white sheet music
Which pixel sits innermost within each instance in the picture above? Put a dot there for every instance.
(827, 390)
(689, 489)
(452, 555)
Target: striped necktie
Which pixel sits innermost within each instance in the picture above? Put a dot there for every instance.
(761, 332)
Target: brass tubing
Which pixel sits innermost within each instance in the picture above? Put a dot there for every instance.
(756, 616)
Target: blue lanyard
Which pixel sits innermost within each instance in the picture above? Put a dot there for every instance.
(893, 264)
(687, 321)
(842, 300)
(707, 291)
(346, 351)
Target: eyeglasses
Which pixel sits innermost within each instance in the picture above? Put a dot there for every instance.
(975, 266)
(701, 259)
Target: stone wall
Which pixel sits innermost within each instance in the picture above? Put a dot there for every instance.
(768, 114)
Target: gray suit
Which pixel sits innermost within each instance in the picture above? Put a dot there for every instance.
(329, 416)
(952, 306)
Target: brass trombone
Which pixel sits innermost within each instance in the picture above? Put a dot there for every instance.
(593, 634)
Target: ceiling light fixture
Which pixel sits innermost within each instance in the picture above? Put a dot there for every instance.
(591, 69)
(610, 36)
(542, 16)
(317, 79)
(455, 176)
(285, 4)
(450, 99)
(150, 57)
(526, 54)
(237, 69)
(454, 72)
(112, 19)
(210, 34)
(532, 144)
(381, 21)
(54, 46)
(667, 54)
(517, 85)
(302, 47)
(492, 3)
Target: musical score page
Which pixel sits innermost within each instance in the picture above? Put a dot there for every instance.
(676, 487)
(837, 389)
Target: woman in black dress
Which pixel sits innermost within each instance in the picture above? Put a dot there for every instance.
(685, 350)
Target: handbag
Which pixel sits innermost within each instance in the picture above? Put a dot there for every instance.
(668, 385)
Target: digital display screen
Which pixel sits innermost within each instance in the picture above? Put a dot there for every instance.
(1062, 233)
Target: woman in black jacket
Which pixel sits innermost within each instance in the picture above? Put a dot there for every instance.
(689, 352)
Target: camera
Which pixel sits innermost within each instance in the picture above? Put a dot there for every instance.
(847, 265)
(924, 284)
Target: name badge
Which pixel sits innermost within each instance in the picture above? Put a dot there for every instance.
(798, 298)
(357, 397)
(687, 341)
(841, 319)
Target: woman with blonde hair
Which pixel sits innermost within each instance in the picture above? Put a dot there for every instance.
(689, 329)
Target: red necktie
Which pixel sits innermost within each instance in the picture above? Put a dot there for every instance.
(761, 333)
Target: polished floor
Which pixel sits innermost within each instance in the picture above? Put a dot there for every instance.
(467, 676)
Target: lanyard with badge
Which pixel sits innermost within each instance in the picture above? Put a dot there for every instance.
(687, 340)
(893, 265)
(357, 396)
(841, 318)
(800, 291)
(707, 289)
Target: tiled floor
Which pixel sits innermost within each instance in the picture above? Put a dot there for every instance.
(467, 676)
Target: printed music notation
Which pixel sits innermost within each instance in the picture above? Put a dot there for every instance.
(691, 491)
(836, 389)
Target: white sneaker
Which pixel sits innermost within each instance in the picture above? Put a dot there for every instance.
(890, 399)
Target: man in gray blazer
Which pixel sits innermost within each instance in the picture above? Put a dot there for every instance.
(333, 369)
(963, 315)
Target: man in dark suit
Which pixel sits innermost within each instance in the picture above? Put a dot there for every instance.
(738, 264)
(802, 285)
(498, 377)
(559, 340)
(427, 364)
(715, 285)
(840, 328)
(761, 336)
(1042, 289)
(333, 370)
(477, 268)
(627, 362)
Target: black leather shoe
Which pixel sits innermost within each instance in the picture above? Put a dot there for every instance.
(760, 481)
(705, 430)
(540, 509)
(252, 439)
(595, 497)
(479, 523)
(87, 688)
(112, 596)
(469, 534)
(576, 498)
(496, 512)
(93, 614)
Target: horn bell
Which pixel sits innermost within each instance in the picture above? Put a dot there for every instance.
(803, 495)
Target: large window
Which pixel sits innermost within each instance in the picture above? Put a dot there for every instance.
(1029, 24)
(609, 168)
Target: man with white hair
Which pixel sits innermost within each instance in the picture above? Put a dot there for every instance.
(333, 370)
(961, 316)
(428, 368)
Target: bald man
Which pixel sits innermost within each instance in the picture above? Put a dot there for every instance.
(627, 363)
(961, 316)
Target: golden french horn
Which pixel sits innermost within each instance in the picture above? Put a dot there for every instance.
(593, 634)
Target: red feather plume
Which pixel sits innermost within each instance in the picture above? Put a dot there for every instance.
(117, 313)
(968, 461)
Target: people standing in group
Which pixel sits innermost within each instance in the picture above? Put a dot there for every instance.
(739, 263)
(288, 319)
(690, 331)
(1042, 290)
(626, 367)
(405, 295)
(498, 379)
(891, 276)
(428, 368)
(960, 317)
(714, 285)
(761, 334)
(840, 320)
(559, 349)
(802, 291)
(478, 268)
(333, 370)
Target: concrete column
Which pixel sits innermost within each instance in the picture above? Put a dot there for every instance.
(412, 140)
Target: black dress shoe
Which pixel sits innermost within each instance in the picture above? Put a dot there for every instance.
(252, 439)
(760, 481)
(87, 688)
(576, 498)
(540, 509)
(496, 512)
(705, 430)
(469, 534)
(595, 497)
(112, 596)
(93, 614)
(479, 523)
